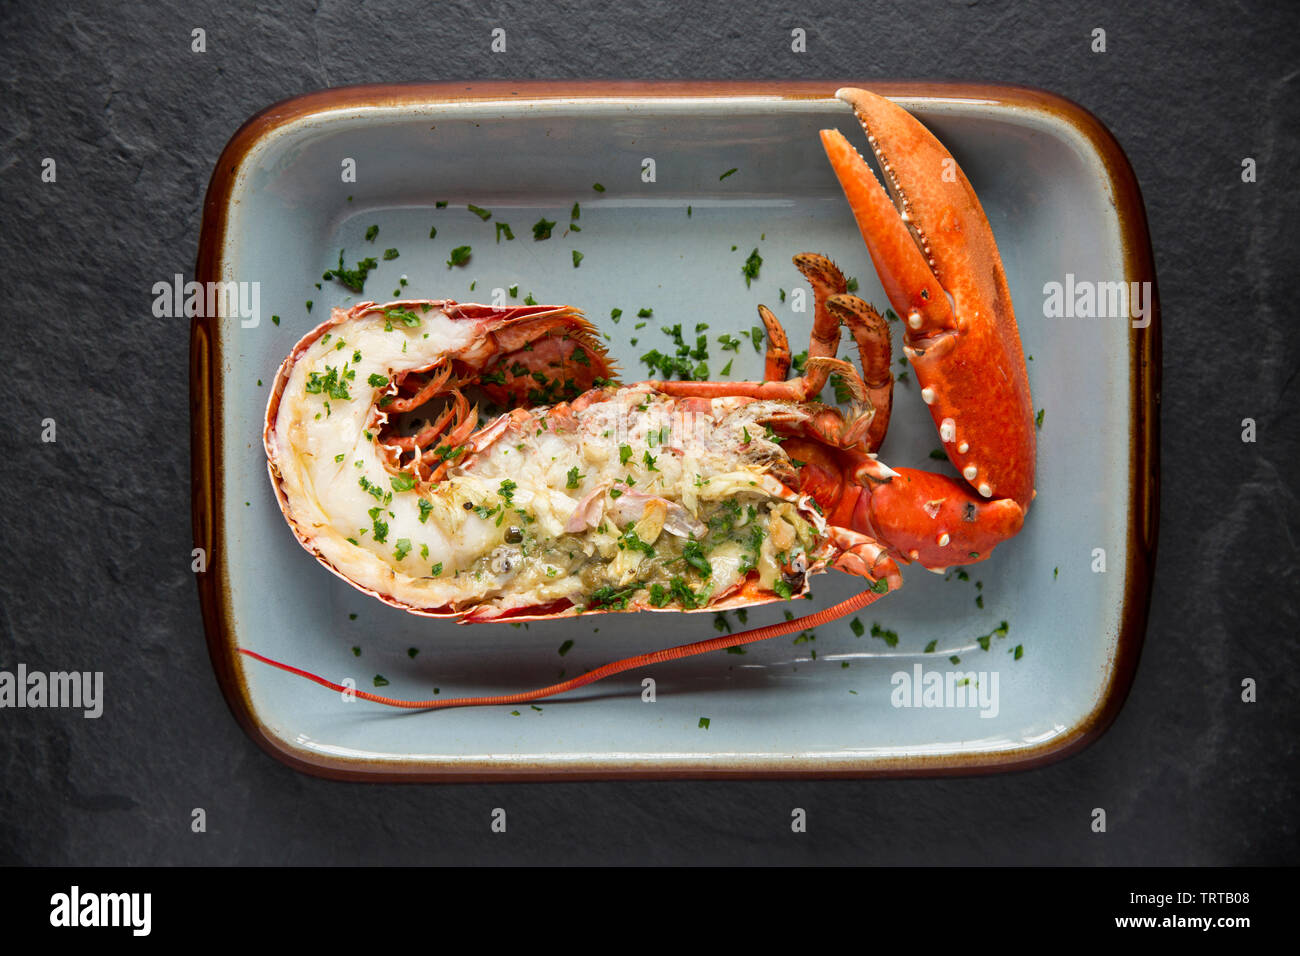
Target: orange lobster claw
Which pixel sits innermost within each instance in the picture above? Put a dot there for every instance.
(933, 249)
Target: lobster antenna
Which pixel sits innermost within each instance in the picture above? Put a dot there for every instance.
(751, 636)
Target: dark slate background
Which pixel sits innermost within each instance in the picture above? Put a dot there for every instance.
(96, 528)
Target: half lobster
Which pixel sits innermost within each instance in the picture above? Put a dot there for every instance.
(586, 496)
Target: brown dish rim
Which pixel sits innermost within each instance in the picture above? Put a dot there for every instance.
(206, 452)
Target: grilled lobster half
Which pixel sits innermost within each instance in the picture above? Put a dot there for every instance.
(589, 496)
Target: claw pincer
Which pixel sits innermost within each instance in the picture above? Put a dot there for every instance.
(934, 252)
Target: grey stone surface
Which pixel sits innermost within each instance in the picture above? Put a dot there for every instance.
(96, 527)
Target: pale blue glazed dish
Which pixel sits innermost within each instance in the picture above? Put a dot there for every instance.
(1060, 204)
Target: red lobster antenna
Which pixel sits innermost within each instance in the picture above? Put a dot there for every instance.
(751, 636)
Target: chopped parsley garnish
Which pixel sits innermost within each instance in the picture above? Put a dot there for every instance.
(598, 187)
(632, 541)
(985, 639)
(564, 648)
(480, 212)
(433, 232)
(575, 212)
(704, 723)
(727, 173)
(624, 454)
(381, 680)
(889, 637)
(405, 316)
(577, 258)
(574, 478)
(542, 229)
(403, 549)
(377, 381)
(750, 269)
(856, 626)
(436, 569)
(1038, 419)
(390, 254)
(459, 256)
(354, 279)
(678, 588)
(275, 319)
(693, 553)
(331, 383)
(402, 482)
(371, 233)
(610, 597)
(503, 228)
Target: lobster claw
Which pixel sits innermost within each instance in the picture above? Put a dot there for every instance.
(933, 249)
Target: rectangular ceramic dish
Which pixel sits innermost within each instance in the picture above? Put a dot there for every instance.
(1062, 201)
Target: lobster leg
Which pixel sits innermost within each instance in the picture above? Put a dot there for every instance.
(832, 306)
(871, 333)
(777, 364)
